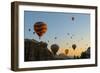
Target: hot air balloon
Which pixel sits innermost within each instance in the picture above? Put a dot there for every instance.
(71, 37)
(55, 38)
(66, 51)
(33, 32)
(40, 28)
(74, 46)
(73, 18)
(54, 48)
(29, 29)
(68, 33)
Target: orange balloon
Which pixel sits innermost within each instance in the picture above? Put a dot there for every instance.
(66, 51)
(40, 28)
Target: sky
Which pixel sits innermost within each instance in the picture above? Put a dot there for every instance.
(68, 31)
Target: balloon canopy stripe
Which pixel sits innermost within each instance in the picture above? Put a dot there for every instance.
(40, 28)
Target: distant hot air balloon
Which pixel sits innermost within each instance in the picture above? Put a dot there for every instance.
(54, 48)
(73, 18)
(55, 37)
(74, 46)
(29, 29)
(40, 28)
(66, 51)
(68, 33)
(33, 32)
(71, 37)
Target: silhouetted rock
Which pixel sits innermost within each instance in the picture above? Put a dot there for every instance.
(36, 51)
(76, 57)
(86, 54)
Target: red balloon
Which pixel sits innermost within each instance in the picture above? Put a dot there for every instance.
(40, 28)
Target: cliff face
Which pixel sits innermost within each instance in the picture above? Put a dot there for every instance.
(86, 54)
(36, 51)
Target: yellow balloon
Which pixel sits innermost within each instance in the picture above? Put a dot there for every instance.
(66, 51)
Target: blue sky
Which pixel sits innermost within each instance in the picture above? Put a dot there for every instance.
(59, 25)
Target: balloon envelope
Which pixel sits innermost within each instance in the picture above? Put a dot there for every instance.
(29, 29)
(74, 46)
(66, 51)
(54, 48)
(55, 37)
(40, 28)
(72, 18)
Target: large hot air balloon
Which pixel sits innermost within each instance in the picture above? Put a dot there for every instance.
(40, 28)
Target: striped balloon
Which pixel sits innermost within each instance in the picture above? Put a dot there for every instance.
(40, 28)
